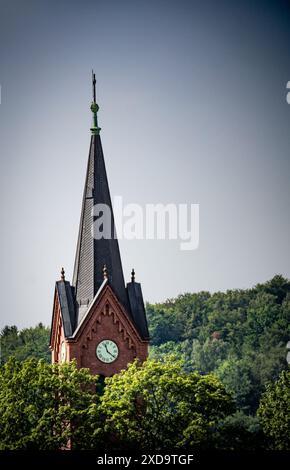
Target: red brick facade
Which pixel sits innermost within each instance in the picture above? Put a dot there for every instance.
(105, 319)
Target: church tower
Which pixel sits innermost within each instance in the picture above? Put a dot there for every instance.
(96, 319)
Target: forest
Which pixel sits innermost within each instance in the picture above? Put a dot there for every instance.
(217, 375)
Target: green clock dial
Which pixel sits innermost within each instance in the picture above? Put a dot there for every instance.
(107, 351)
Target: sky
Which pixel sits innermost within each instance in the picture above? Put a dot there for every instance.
(193, 110)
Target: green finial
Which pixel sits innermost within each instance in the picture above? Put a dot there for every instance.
(95, 129)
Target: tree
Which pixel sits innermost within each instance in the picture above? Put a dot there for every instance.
(24, 344)
(277, 286)
(235, 374)
(182, 350)
(274, 412)
(157, 405)
(252, 326)
(207, 356)
(262, 313)
(9, 342)
(239, 432)
(45, 407)
(164, 325)
(239, 336)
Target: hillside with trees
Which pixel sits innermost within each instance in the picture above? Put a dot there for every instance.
(216, 377)
(239, 335)
(25, 344)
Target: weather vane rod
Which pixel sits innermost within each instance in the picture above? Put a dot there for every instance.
(94, 86)
(95, 129)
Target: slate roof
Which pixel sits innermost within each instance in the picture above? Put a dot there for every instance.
(64, 292)
(92, 254)
(137, 308)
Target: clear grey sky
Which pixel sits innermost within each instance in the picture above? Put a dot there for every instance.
(193, 109)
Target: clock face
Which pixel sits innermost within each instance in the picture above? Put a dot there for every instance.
(63, 352)
(107, 351)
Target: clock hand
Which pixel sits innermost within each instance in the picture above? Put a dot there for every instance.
(109, 352)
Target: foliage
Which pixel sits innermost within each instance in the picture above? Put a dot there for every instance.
(24, 344)
(41, 405)
(274, 412)
(230, 346)
(154, 405)
(239, 335)
(239, 432)
(158, 405)
(165, 323)
(235, 374)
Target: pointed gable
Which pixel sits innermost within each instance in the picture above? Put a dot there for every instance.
(106, 304)
(106, 320)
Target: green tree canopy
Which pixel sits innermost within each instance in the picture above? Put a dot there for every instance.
(42, 405)
(24, 344)
(158, 405)
(274, 412)
(240, 335)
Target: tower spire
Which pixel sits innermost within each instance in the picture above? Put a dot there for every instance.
(98, 287)
(94, 252)
(95, 129)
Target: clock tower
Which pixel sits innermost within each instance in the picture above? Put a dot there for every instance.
(97, 319)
